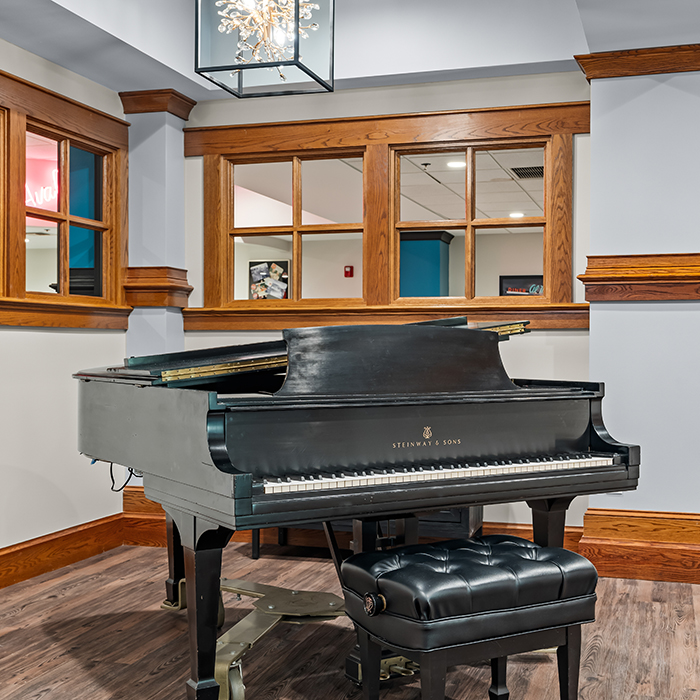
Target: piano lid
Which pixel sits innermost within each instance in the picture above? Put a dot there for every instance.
(437, 356)
(414, 359)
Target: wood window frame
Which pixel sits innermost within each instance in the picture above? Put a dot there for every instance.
(24, 106)
(381, 140)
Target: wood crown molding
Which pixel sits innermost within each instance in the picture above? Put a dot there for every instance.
(37, 102)
(157, 286)
(171, 101)
(646, 545)
(620, 64)
(662, 277)
(260, 316)
(526, 121)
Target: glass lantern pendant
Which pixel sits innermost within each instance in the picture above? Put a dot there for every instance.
(260, 48)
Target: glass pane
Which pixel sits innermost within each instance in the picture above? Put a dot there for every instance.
(512, 257)
(41, 240)
(509, 183)
(432, 263)
(433, 186)
(85, 184)
(85, 255)
(331, 191)
(262, 195)
(41, 186)
(331, 266)
(262, 267)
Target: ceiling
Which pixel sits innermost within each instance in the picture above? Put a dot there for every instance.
(136, 45)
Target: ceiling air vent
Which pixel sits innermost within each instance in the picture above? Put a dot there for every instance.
(528, 173)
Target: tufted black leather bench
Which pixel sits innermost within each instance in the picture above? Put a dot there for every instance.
(462, 601)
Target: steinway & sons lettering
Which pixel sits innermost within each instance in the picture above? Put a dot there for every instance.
(427, 441)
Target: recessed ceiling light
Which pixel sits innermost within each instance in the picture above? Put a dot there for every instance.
(456, 164)
(516, 215)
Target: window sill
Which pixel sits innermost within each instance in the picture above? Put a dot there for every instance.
(62, 314)
(273, 316)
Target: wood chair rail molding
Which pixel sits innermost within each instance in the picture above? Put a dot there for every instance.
(356, 132)
(661, 277)
(619, 64)
(170, 101)
(559, 316)
(57, 314)
(157, 286)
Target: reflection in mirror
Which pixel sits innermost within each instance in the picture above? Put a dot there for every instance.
(41, 241)
(509, 183)
(331, 191)
(433, 186)
(85, 256)
(42, 177)
(263, 267)
(514, 253)
(431, 263)
(262, 195)
(325, 259)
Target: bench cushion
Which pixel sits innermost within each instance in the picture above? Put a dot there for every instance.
(462, 591)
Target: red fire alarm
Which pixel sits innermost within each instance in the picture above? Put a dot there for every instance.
(349, 271)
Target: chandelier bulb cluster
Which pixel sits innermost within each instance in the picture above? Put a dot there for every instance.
(265, 28)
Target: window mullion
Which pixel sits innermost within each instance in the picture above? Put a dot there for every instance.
(469, 240)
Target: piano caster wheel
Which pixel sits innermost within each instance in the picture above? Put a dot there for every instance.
(236, 689)
(221, 615)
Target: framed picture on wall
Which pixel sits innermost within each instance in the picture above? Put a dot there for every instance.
(268, 279)
(520, 285)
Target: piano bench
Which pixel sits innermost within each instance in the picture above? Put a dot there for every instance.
(463, 601)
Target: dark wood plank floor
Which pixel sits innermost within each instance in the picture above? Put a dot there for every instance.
(95, 630)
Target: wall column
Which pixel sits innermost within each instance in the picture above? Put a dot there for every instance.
(156, 284)
(643, 283)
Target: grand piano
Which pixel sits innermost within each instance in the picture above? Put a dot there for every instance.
(337, 423)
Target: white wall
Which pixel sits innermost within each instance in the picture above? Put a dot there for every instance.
(323, 261)
(46, 485)
(42, 72)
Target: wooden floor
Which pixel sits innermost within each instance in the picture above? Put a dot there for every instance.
(95, 630)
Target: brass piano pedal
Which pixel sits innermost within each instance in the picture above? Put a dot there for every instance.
(400, 670)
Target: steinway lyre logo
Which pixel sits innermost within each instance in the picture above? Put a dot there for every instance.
(427, 432)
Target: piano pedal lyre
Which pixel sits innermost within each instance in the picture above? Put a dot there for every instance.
(273, 605)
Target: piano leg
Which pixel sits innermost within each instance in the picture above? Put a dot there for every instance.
(202, 543)
(176, 565)
(548, 519)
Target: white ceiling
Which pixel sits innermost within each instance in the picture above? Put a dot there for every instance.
(136, 45)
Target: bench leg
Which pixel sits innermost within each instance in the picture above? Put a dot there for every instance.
(370, 658)
(498, 689)
(433, 673)
(568, 663)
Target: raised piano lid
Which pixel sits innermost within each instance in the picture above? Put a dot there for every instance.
(341, 361)
(414, 359)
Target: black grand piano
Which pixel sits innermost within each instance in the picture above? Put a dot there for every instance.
(337, 423)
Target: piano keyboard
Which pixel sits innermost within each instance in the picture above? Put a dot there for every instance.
(351, 478)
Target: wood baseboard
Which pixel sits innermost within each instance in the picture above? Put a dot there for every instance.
(631, 544)
(646, 545)
(43, 554)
